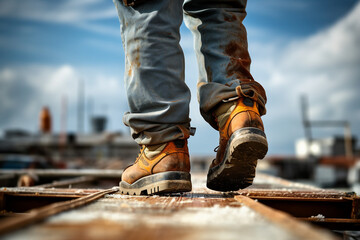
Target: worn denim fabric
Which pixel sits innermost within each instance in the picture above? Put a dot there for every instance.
(154, 63)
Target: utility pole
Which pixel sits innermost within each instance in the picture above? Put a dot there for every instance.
(325, 123)
(80, 114)
(305, 118)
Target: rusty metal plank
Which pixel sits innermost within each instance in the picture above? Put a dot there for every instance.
(335, 223)
(98, 173)
(48, 191)
(16, 204)
(304, 204)
(102, 178)
(308, 208)
(302, 230)
(39, 214)
(18, 200)
(273, 193)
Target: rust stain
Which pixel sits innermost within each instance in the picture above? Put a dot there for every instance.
(134, 60)
(137, 57)
(230, 18)
(239, 64)
(237, 49)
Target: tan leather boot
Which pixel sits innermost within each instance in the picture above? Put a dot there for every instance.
(166, 172)
(242, 143)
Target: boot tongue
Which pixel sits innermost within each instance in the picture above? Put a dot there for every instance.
(152, 151)
(223, 112)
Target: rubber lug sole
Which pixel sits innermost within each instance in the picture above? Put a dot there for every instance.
(237, 169)
(159, 183)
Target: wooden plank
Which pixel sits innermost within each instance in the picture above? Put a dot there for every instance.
(200, 214)
(209, 215)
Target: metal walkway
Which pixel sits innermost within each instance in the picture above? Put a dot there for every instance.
(72, 213)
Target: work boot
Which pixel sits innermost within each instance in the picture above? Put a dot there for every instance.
(163, 168)
(242, 143)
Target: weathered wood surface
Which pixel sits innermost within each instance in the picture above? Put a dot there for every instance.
(200, 214)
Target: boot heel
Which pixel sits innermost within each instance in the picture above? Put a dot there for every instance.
(238, 166)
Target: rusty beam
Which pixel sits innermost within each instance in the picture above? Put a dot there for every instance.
(19, 200)
(335, 223)
(300, 229)
(98, 173)
(305, 204)
(58, 178)
(36, 215)
(338, 210)
(68, 182)
(283, 193)
(48, 192)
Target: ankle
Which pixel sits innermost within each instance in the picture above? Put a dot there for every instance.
(152, 151)
(222, 113)
(238, 114)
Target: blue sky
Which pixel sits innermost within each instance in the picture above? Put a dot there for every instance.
(296, 46)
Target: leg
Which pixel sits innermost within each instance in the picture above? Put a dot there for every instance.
(154, 71)
(158, 97)
(230, 99)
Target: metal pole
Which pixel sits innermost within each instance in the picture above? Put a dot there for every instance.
(348, 140)
(306, 123)
(80, 106)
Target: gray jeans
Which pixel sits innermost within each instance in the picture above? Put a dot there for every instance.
(154, 63)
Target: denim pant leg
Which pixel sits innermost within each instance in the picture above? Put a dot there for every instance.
(222, 51)
(154, 71)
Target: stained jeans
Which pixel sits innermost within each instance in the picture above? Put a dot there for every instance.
(154, 63)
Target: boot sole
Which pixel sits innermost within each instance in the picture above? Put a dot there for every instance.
(159, 183)
(237, 169)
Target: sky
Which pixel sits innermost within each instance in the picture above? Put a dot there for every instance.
(48, 48)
